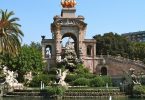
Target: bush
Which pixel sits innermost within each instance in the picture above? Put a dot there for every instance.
(97, 82)
(81, 69)
(81, 82)
(89, 75)
(138, 89)
(107, 79)
(55, 90)
(70, 78)
(52, 71)
(36, 82)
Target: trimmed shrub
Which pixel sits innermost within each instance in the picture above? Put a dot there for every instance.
(71, 77)
(89, 75)
(138, 89)
(107, 79)
(97, 82)
(81, 69)
(55, 90)
(81, 82)
(36, 82)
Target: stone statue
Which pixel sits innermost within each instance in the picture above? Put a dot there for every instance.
(61, 77)
(48, 53)
(133, 76)
(28, 77)
(11, 79)
(68, 3)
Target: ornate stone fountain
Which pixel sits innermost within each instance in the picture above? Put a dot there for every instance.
(69, 60)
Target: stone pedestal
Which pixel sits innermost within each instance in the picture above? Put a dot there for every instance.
(68, 12)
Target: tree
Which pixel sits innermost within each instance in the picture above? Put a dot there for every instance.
(10, 33)
(111, 43)
(115, 44)
(28, 59)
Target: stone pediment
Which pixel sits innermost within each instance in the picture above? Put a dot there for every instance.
(69, 22)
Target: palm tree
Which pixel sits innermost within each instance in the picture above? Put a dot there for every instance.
(10, 33)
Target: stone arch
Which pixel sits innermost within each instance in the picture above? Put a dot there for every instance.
(89, 50)
(48, 51)
(103, 70)
(73, 36)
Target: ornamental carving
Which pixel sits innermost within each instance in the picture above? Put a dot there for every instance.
(69, 22)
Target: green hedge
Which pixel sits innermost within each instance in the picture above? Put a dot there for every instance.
(81, 82)
(97, 82)
(138, 89)
(36, 82)
(100, 81)
(55, 90)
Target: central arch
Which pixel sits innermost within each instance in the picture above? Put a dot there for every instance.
(72, 36)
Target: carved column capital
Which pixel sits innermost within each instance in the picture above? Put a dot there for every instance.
(58, 27)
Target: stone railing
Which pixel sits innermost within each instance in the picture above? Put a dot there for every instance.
(124, 60)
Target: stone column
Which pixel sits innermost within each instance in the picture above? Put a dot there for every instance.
(58, 44)
(80, 42)
(43, 51)
(94, 48)
(80, 47)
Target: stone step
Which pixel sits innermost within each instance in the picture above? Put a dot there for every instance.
(68, 93)
(27, 92)
(92, 93)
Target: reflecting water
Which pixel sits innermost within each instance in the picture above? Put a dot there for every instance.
(38, 98)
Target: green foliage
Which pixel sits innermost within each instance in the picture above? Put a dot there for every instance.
(81, 69)
(1, 72)
(115, 44)
(97, 82)
(71, 77)
(138, 89)
(52, 71)
(55, 90)
(111, 43)
(81, 82)
(29, 59)
(137, 50)
(100, 81)
(36, 82)
(78, 75)
(107, 79)
(10, 33)
(82, 77)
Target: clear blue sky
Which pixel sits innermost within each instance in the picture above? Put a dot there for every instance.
(102, 16)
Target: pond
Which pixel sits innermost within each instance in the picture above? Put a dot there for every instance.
(39, 98)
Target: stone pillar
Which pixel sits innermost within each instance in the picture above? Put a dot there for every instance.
(43, 51)
(80, 42)
(95, 49)
(94, 56)
(80, 48)
(58, 44)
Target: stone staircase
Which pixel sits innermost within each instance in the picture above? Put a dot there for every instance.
(91, 92)
(72, 92)
(36, 93)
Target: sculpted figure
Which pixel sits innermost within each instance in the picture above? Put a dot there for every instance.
(11, 79)
(134, 77)
(61, 77)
